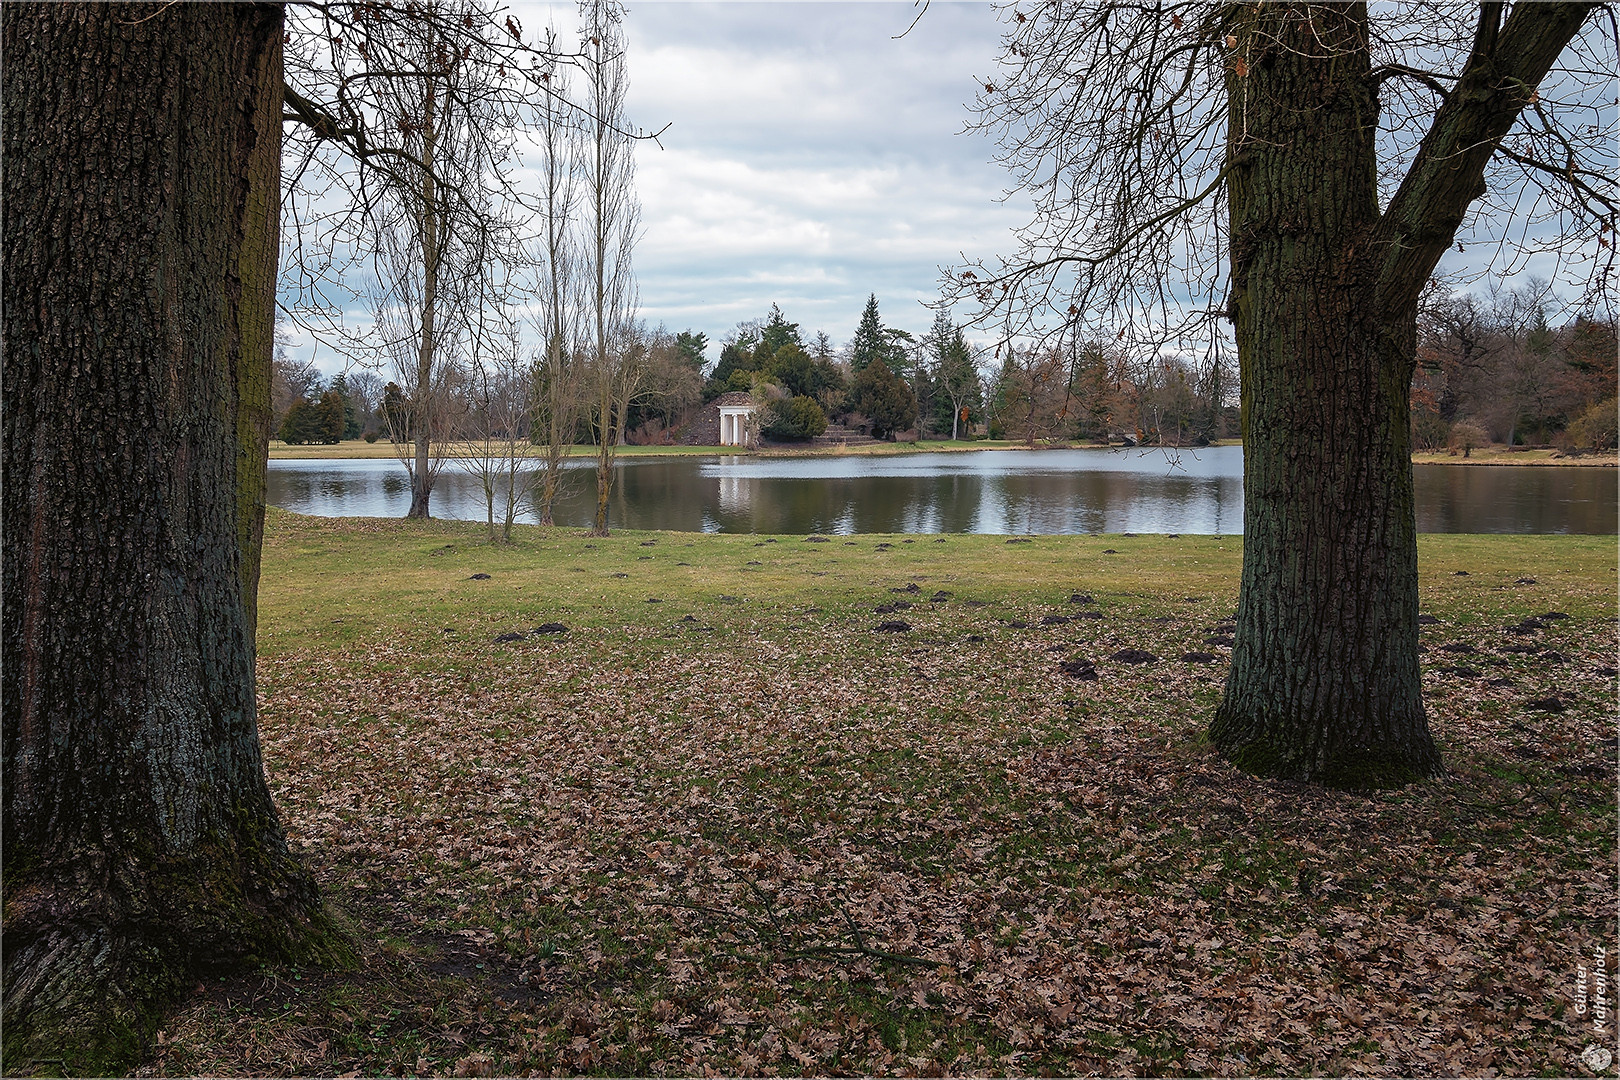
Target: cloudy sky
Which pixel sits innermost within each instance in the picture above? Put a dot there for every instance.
(811, 159)
(814, 153)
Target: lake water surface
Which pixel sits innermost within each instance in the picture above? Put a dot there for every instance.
(989, 491)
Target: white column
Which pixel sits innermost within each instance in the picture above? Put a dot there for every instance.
(725, 429)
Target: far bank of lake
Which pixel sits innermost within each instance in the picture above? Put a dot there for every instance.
(972, 491)
(384, 451)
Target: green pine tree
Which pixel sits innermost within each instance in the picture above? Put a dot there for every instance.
(869, 343)
(885, 399)
(351, 418)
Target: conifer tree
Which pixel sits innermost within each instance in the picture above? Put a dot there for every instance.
(869, 343)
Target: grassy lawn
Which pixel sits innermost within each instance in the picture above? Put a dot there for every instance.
(722, 823)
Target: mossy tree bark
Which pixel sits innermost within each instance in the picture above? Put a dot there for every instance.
(1325, 684)
(141, 193)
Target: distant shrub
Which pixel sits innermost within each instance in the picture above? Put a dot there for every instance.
(1429, 429)
(1598, 428)
(1467, 435)
(795, 418)
(371, 436)
(651, 433)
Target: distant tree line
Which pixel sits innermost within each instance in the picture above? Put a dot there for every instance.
(306, 408)
(1492, 369)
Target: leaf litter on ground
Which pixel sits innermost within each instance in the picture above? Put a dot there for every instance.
(769, 850)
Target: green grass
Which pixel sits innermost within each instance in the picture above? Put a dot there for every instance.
(654, 844)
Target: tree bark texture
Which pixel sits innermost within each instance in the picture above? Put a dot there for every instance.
(1325, 682)
(141, 177)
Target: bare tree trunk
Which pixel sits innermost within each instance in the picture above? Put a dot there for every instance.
(424, 404)
(1325, 683)
(613, 214)
(141, 845)
(604, 461)
(1327, 612)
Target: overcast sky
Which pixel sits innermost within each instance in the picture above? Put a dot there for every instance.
(811, 159)
(814, 154)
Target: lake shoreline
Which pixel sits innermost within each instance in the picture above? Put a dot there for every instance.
(358, 449)
(1013, 492)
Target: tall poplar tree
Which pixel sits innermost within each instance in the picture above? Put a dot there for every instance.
(612, 221)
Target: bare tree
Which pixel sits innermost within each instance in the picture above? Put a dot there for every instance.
(495, 433)
(366, 387)
(555, 311)
(612, 219)
(1032, 393)
(440, 234)
(1300, 168)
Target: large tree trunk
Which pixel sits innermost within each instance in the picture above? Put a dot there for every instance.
(1324, 682)
(141, 175)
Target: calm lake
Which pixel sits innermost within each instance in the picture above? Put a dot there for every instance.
(990, 491)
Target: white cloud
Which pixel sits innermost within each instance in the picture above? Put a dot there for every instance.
(811, 159)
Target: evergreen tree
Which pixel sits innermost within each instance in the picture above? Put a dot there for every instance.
(736, 355)
(330, 420)
(396, 414)
(302, 424)
(793, 370)
(351, 416)
(691, 348)
(794, 418)
(776, 333)
(958, 396)
(885, 399)
(869, 343)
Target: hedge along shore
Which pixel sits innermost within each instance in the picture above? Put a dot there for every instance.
(666, 803)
